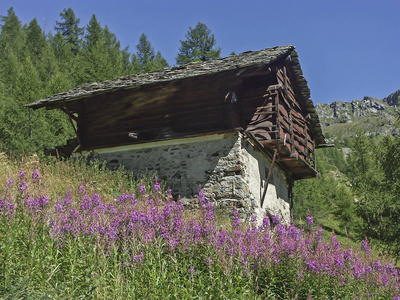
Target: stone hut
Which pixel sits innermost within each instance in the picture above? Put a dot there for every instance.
(243, 127)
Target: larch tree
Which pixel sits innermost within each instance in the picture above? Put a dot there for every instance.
(145, 59)
(376, 180)
(93, 32)
(12, 39)
(12, 36)
(200, 45)
(69, 28)
(35, 41)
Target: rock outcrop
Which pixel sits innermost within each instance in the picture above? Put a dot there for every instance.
(370, 116)
(393, 99)
(346, 112)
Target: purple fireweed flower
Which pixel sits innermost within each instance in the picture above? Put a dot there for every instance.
(210, 211)
(43, 201)
(7, 209)
(127, 197)
(36, 176)
(208, 260)
(230, 251)
(23, 186)
(37, 204)
(245, 263)
(111, 209)
(86, 203)
(66, 202)
(58, 207)
(339, 262)
(275, 220)
(385, 280)
(202, 199)
(357, 271)
(364, 246)
(96, 199)
(312, 265)
(21, 175)
(156, 185)
(236, 218)
(111, 233)
(266, 224)
(74, 214)
(138, 258)
(335, 243)
(142, 188)
(396, 297)
(249, 247)
(81, 189)
(9, 181)
(191, 270)
(253, 219)
(347, 255)
(310, 220)
(318, 234)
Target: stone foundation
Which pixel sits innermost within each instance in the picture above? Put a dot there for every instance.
(228, 167)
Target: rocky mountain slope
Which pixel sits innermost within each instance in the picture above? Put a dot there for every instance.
(393, 99)
(370, 116)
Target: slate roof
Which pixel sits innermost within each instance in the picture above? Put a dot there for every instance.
(184, 71)
(243, 60)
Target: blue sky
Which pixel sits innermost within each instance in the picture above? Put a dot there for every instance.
(348, 49)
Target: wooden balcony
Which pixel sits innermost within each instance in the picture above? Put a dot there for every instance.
(280, 123)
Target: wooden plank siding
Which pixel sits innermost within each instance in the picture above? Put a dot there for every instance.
(187, 107)
(265, 104)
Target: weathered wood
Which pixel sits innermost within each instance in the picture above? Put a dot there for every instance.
(291, 130)
(290, 195)
(268, 178)
(66, 110)
(266, 106)
(278, 123)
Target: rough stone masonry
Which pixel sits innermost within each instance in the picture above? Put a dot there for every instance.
(231, 171)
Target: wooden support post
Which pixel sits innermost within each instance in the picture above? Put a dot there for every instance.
(66, 110)
(291, 199)
(268, 177)
(313, 155)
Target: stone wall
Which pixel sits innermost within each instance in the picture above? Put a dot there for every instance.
(231, 171)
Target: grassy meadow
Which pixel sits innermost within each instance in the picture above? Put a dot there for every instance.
(71, 230)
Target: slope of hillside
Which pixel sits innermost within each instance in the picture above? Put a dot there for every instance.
(370, 116)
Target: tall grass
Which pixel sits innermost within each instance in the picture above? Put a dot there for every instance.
(68, 230)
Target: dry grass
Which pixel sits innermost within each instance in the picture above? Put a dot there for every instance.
(59, 176)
